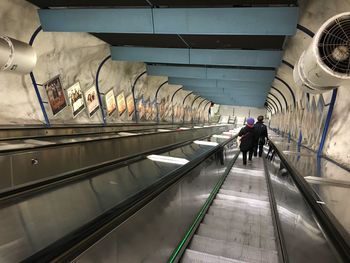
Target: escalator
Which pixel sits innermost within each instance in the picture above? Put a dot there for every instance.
(238, 226)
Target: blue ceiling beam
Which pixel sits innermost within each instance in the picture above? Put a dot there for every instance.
(227, 57)
(221, 84)
(237, 102)
(211, 73)
(203, 83)
(230, 93)
(202, 21)
(216, 57)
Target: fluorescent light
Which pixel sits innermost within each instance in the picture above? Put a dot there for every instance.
(197, 127)
(184, 128)
(163, 130)
(206, 143)
(167, 159)
(127, 133)
(221, 136)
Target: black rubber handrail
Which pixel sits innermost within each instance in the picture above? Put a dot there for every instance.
(330, 226)
(79, 240)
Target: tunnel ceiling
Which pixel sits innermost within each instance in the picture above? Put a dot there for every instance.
(197, 37)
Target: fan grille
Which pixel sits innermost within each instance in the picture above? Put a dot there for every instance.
(334, 45)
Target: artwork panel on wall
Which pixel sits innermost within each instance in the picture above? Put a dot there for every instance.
(55, 94)
(111, 103)
(130, 104)
(121, 103)
(141, 108)
(76, 99)
(148, 110)
(91, 100)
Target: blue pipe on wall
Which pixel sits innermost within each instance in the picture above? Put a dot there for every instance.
(35, 85)
(98, 88)
(328, 120)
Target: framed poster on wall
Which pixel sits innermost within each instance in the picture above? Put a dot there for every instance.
(55, 94)
(76, 100)
(130, 104)
(111, 103)
(91, 99)
(121, 103)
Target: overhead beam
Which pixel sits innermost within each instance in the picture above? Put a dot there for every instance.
(211, 73)
(220, 84)
(230, 93)
(215, 57)
(228, 101)
(202, 21)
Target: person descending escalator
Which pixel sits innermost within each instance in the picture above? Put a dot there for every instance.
(261, 134)
(247, 140)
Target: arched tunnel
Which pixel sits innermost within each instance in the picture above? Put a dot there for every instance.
(174, 131)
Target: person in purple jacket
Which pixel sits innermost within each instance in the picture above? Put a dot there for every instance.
(248, 139)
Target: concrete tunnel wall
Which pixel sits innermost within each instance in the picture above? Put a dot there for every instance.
(76, 57)
(309, 115)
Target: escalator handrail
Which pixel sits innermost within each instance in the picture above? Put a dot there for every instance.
(78, 241)
(331, 227)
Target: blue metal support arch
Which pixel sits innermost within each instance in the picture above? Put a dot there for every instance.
(172, 105)
(35, 84)
(284, 98)
(98, 88)
(290, 89)
(183, 103)
(133, 93)
(156, 98)
(209, 102)
(269, 107)
(197, 97)
(272, 104)
(201, 103)
(276, 99)
(327, 123)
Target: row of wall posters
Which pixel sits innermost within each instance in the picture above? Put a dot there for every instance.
(78, 100)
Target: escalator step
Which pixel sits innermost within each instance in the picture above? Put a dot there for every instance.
(192, 256)
(238, 235)
(239, 216)
(230, 224)
(232, 250)
(257, 196)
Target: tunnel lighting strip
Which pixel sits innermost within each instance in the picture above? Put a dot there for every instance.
(206, 143)
(184, 128)
(167, 159)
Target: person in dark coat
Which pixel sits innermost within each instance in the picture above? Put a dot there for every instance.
(248, 139)
(261, 134)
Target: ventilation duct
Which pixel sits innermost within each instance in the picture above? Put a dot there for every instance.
(16, 56)
(325, 65)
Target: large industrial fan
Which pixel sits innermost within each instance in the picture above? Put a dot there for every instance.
(325, 65)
